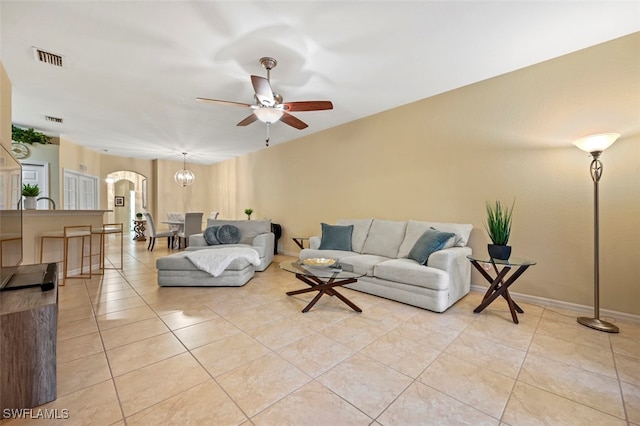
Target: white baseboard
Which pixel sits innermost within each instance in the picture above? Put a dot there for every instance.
(542, 301)
(552, 303)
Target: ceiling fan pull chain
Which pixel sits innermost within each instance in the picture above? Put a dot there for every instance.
(267, 139)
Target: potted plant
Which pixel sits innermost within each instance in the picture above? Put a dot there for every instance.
(248, 213)
(498, 227)
(30, 192)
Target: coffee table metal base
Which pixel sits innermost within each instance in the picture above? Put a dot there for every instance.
(324, 287)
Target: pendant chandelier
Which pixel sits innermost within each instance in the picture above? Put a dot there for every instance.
(184, 177)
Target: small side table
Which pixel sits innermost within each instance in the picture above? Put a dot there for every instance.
(139, 228)
(499, 286)
(300, 241)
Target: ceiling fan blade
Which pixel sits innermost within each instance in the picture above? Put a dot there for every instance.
(250, 119)
(293, 121)
(308, 106)
(216, 101)
(263, 90)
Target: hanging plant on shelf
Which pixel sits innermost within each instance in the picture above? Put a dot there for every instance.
(28, 136)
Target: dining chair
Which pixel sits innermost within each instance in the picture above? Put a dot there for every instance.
(177, 217)
(192, 225)
(153, 234)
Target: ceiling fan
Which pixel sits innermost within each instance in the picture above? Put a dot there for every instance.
(269, 107)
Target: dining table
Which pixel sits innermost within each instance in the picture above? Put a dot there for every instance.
(179, 223)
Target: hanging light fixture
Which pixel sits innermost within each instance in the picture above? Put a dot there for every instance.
(184, 177)
(268, 115)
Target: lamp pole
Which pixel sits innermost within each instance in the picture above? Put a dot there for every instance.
(595, 145)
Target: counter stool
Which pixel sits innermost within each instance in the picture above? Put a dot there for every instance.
(70, 232)
(104, 231)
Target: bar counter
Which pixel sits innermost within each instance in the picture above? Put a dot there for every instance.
(35, 222)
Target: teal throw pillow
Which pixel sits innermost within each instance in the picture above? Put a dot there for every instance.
(429, 242)
(336, 237)
(209, 235)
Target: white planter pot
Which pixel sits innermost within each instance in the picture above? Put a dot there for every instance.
(30, 203)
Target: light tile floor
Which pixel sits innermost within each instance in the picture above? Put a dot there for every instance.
(132, 353)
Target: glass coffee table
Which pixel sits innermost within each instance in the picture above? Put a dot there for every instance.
(324, 280)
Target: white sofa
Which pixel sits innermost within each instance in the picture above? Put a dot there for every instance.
(379, 249)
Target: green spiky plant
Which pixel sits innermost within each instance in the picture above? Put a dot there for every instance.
(29, 190)
(498, 224)
(248, 213)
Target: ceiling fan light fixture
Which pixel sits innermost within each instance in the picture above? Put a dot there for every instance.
(268, 114)
(184, 177)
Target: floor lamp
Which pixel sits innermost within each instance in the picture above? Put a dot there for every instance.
(594, 145)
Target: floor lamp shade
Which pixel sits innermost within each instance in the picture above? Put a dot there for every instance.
(594, 145)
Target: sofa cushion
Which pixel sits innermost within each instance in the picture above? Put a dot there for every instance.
(228, 234)
(209, 235)
(309, 253)
(362, 263)
(259, 248)
(336, 237)
(249, 229)
(384, 238)
(415, 229)
(431, 241)
(410, 272)
(360, 231)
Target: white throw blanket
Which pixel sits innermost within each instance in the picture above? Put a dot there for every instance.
(215, 261)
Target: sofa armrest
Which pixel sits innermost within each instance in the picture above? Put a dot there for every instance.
(266, 240)
(314, 242)
(448, 258)
(197, 240)
(454, 261)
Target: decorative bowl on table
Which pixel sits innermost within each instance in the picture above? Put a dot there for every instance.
(319, 262)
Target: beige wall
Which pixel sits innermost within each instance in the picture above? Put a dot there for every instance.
(5, 108)
(441, 158)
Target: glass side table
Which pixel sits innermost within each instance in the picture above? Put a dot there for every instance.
(499, 285)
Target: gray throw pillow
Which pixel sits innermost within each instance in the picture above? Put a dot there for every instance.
(209, 235)
(228, 234)
(335, 237)
(429, 242)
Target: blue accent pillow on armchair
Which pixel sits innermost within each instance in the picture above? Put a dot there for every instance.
(429, 242)
(336, 237)
(209, 235)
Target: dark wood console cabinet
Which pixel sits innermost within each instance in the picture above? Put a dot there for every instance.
(28, 336)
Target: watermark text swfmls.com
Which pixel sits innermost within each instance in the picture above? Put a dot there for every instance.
(35, 413)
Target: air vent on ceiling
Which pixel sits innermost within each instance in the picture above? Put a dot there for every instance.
(47, 57)
(54, 119)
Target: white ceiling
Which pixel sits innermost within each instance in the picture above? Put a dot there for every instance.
(132, 69)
